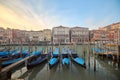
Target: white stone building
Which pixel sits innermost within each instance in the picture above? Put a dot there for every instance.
(61, 35)
(79, 34)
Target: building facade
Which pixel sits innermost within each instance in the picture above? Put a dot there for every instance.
(61, 35)
(36, 36)
(102, 36)
(2, 35)
(111, 27)
(117, 35)
(18, 36)
(113, 30)
(47, 34)
(8, 36)
(79, 34)
(99, 35)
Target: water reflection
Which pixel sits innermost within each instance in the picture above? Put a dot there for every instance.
(32, 73)
(74, 72)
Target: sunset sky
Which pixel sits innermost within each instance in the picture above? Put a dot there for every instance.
(42, 14)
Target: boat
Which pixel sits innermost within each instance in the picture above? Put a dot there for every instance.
(6, 63)
(13, 60)
(40, 60)
(55, 58)
(65, 57)
(37, 53)
(7, 53)
(43, 58)
(98, 50)
(22, 53)
(75, 58)
(1, 50)
(5, 49)
(16, 55)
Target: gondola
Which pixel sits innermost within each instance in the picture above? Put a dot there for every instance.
(75, 58)
(16, 55)
(43, 58)
(55, 58)
(40, 60)
(7, 53)
(98, 50)
(1, 50)
(6, 63)
(65, 57)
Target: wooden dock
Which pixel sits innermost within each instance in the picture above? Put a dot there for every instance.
(6, 72)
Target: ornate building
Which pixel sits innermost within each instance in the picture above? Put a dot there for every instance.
(79, 34)
(61, 35)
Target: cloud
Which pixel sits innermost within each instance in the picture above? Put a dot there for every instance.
(95, 24)
(22, 15)
(41, 14)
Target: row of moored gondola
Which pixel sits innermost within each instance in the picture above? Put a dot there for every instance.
(53, 59)
(13, 56)
(66, 56)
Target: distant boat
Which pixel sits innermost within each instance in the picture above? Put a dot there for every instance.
(98, 50)
(5, 49)
(55, 58)
(65, 57)
(1, 50)
(75, 58)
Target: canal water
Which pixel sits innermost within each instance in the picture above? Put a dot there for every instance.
(105, 70)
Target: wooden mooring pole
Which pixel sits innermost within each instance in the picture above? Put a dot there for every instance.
(0, 63)
(118, 54)
(21, 48)
(88, 54)
(59, 57)
(94, 61)
(70, 56)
